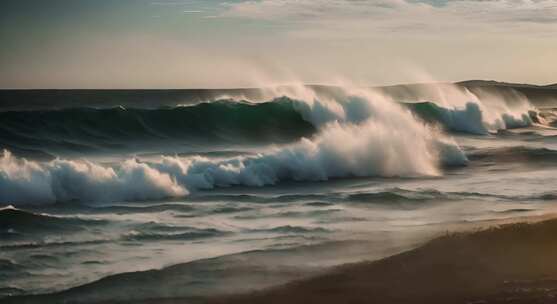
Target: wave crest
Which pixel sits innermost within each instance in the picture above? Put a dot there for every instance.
(458, 109)
(363, 134)
(65, 180)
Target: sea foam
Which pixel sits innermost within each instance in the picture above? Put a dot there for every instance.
(363, 134)
(480, 112)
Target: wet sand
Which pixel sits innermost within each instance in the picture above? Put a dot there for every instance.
(512, 263)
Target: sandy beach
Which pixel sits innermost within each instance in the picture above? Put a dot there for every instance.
(512, 263)
(505, 263)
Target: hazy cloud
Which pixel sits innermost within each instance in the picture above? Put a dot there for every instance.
(208, 43)
(402, 15)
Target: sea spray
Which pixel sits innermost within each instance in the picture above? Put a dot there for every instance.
(285, 115)
(480, 112)
(363, 134)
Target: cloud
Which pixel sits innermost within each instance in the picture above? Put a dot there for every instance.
(341, 16)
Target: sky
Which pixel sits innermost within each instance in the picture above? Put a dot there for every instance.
(223, 44)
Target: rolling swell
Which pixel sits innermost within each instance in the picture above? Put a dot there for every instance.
(527, 155)
(157, 232)
(17, 221)
(35, 133)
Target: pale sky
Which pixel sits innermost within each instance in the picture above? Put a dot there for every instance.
(216, 44)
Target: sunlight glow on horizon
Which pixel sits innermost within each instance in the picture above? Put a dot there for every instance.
(215, 44)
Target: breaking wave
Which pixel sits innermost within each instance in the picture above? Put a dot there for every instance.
(362, 135)
(288, 114)
(470, 118)
(460, 110)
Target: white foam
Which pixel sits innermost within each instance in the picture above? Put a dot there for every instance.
(481, 112)
(364, 134)
(23, 181)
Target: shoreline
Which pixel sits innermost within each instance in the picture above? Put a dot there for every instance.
(508, 263)
(508, 259)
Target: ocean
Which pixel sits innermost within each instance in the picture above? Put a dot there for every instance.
(228, 191)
